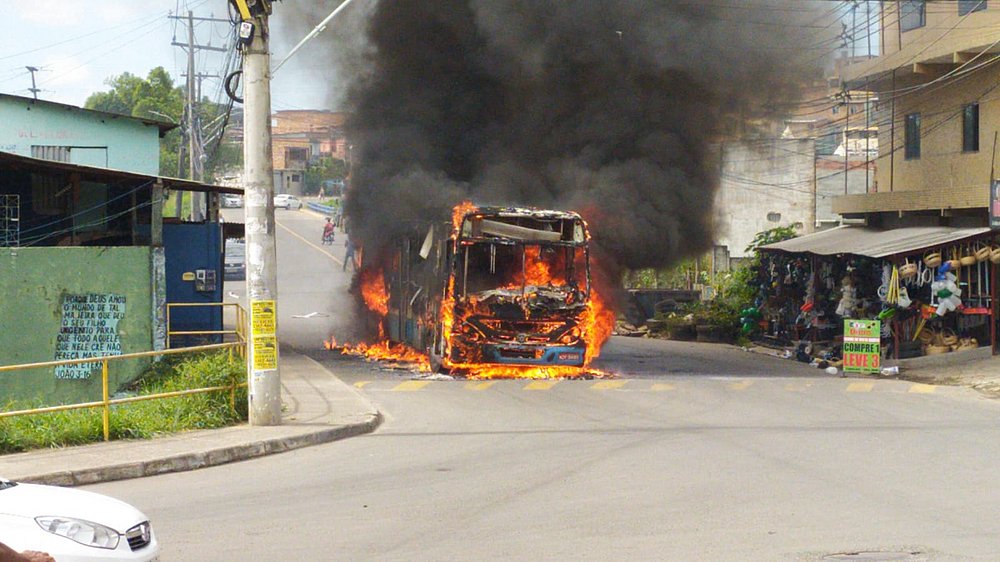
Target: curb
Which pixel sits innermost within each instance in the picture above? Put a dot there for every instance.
(203, 459)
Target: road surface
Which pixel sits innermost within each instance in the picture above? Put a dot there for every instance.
(696, 452)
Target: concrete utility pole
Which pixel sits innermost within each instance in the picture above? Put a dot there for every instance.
(34, 88)
(192, 130)
(258, 184)
(193, 152)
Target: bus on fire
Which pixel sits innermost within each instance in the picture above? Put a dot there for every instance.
(500, 286)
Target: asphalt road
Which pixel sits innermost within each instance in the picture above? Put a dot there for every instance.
(696, 452)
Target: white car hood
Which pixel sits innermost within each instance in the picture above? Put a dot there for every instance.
(30, 500)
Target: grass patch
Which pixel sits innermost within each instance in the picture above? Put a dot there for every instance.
(139, 420)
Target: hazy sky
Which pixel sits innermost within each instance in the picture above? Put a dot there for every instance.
(79, 44)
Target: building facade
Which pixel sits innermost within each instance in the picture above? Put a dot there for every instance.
(937, 116)
(299, 139)
(66, 133)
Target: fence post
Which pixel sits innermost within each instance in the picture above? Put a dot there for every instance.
(107, 412)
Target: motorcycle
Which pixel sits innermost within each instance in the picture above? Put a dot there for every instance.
(328, 239)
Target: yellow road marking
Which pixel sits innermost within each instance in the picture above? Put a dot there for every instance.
(661, 386)
(860, 387)
(362, 384)
(540, 385)
(920, 388)
(607, 385)
(300, 237)
(410, 386)
(742, 385)
(797, 386)
(477, 385)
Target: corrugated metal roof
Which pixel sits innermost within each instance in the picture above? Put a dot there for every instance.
(873, 242)
(11, 161)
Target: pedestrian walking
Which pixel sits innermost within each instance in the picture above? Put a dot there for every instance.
(349, 254)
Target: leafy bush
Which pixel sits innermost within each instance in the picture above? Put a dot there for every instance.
(139, 420)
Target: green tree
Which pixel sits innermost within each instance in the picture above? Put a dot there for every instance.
(327, 169)
(158, 98)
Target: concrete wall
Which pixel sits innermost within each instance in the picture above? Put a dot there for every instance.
(44, 298)
(764, 184)
(284, 181)
(830, 185)
(103, 140)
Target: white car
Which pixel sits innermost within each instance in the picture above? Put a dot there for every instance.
(73, 525)
(286, 201)
(230, 200)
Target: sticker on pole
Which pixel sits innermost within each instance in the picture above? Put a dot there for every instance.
(265, 353)
(862, 345)
(262, 318)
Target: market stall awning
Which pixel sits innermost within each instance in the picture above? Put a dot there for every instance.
(873, 242)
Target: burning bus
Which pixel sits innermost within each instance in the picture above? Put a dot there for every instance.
(500, 291)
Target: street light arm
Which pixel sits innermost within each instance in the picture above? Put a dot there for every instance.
(316, 31)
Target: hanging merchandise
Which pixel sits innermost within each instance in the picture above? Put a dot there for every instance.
(904, 298)
(751, 317)
(908, 270)
(982, 252)
(848, 299)
(995, 255)
(932, 259)
(968, 257)
(947, 291)
(955, 263)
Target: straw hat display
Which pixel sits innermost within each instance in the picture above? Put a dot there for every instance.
(933, 259)
(908, 270)
(982, 253)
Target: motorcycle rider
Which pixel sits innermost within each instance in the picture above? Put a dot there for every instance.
(328, 231)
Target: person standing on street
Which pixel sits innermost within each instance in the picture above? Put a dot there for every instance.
(349, 254)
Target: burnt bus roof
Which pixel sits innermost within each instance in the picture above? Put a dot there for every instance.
(524, 212)
(512, 225)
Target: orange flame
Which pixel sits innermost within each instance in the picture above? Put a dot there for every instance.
(598, 322)
(459, 213)
(373, 291)
(537, 271)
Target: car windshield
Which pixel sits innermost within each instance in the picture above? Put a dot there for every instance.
(4, 484)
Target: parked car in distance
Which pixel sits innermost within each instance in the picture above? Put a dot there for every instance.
(286, 201)
(235, 262)
(73, 525)
(230, 200)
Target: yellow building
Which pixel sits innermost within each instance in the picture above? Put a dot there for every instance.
(938, 82)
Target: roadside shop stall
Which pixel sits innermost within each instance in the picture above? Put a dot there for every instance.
(932, 288)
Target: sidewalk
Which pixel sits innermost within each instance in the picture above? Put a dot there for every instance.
(318, 408)
(976, 369)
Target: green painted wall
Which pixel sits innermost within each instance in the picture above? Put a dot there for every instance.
(34, 308)
(103, 140)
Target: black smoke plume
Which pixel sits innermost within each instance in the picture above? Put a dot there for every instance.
(608, 107)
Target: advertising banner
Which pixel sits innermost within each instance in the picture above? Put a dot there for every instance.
(862, 346)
